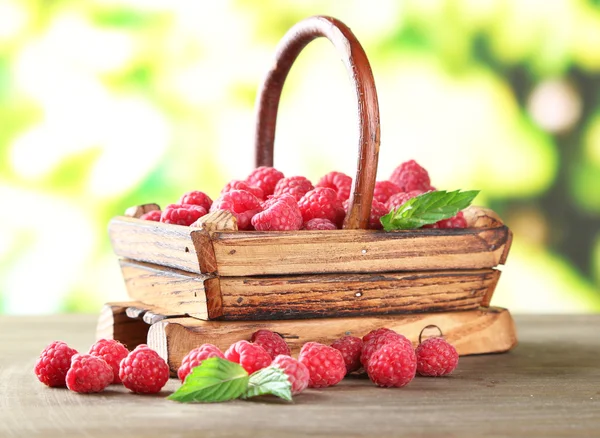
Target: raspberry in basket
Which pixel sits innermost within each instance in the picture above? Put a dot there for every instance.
(242, 204)
(351, 348)
(436, 357)
(296, 371)
(113, 352)
(272, 342)
(338, 181)
(392, 365)
(319, 224)
(457, 221)
(252, 357)
(241, 185)
(322, 202)
(196, 197)
(153, 215)
(375, 342)
(182, 214)
(378, 209)
(385, 189)
(279, 213)
(88, 374)
(144, 371)
(297, 186)
(399, 199)
(195, 357)
(53, 364)
(265, 178)
(410, 176)
(325, 364)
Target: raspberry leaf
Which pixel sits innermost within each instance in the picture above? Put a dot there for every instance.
(427, 208)
(215, 380)
(271, 380)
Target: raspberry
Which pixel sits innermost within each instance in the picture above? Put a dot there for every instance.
(351, 348)
(195, 357)
(319, 224)
(279, 213)
(272, 342)
(242, 204)
(322, 202)
(385, 189)
(144, 371)
(265, 178)
(182, 214)
(376, 342)
(296, 371)
(378, 209)
(252, 357)
(241, 185)
(393, 364)
(325, 364)
(338, 181)
(53, 364)
(113, 352)
(297, 186)
(410, 176)
(457, 221)
(399, 199)
(376, 333)
(153, 215)
(196, 197)
(436, 357)
(88, 374)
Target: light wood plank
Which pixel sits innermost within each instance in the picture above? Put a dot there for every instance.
(114, 323)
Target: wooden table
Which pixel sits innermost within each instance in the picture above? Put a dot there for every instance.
(548, 386)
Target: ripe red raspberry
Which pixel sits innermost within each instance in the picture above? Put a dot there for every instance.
(252, 357)
(297, 186)
(399, 199)
(325, 364)
(351, 348)
(272, 342)
(436, 357)
(88, 374)
(195, 357)
(182, 214)
(242, 204)
(241, 185)
(376, 342)
(393, 364)
(196, 197)
(144, 371)
(338, 181)
(385, 189)
(265, 178)
(319, 224)
(457, 221)
(113, 352)
(53, 364)
(296, 371)
(279, 213)
(322, 202)
(410, 176)
(376, 333)
(153, 215)
(378, 209)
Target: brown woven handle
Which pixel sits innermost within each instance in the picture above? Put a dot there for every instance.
(358, 67)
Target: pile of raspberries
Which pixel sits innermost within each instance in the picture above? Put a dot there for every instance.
(387, 357)
(269, 201)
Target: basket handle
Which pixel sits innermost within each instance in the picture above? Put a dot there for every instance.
(359, 69)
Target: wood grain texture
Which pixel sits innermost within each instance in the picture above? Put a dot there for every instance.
(114, 323)
(471, 332)
(138, 211)
(218, 220)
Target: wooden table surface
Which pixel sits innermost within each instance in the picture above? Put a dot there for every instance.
(548, 386)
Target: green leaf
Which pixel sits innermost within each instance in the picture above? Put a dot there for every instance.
(271, 380)
(215, 380)
(427, 208)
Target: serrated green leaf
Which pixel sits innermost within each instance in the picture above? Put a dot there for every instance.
(215, 380)
(271, 380)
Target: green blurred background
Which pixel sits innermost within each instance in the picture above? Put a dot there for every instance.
(106, 104)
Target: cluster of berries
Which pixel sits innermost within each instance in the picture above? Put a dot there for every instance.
(269, 201)
(142, 370)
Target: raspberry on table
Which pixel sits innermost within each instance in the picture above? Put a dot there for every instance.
(113, 352)
(457, 221)
(195, 357)
(392, 365)
(338, 181)
(272, 342)
(325, 364)
(411, 176)
(297, 186)
(54, 362)
(318, 223)
(385, 189)
(397, 200)
(241, 185)
(436, 357)
(265, 178)
(88, 373)
(296, 371)
(351, 349)
(252, 357)
(322, 202)
(196, 197)
(242, 204)
(376, 333)
(279, 213)
(376, 342)
(153, 215)
(182, 214)
(144, 371)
